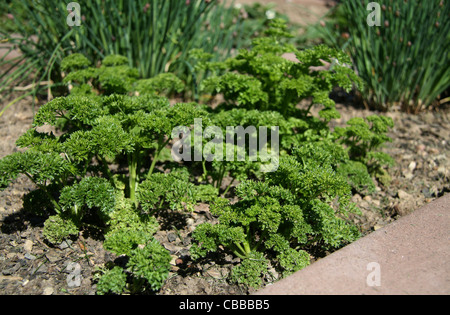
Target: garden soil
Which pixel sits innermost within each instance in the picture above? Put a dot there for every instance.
(301, 12)
(29, 265)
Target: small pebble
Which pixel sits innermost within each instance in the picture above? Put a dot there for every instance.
(29, 256)
(171, 237)
(28, 246)
(65, 244)
(48, 291)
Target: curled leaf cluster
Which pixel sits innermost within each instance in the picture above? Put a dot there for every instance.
(104, 168)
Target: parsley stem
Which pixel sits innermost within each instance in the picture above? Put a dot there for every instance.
(132, 164)
(228, 187)
(107, 170)
(205, 172)
(161, 146)
(44, 189)
(240, 251)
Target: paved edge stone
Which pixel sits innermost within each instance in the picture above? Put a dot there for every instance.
(408, 256)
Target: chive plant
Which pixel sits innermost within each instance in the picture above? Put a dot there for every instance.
(404, 60)
(155, 36)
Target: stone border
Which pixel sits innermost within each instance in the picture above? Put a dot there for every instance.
(408, 256)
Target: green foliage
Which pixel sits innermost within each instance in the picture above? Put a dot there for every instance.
(172, 190)
(154, 35)
(126, 217)
(166, 83)
(105, 127)
(251, 271)
(364, 136)
(113, 76)
(107, 124)
(124, 241)
(239, 167)
(148, 262)
(78, 109)
(112, 281)
(403, 61)
(89, 193)
(206, 193)
(255, 19)
(130, 233)
(106, 167)
(263, 79)
(74, 62)
(41, 168)
(58, 228)
(262, 88)
(304, 202)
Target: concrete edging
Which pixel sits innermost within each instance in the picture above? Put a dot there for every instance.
(408, 256)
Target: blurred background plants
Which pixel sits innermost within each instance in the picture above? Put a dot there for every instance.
(405, 61)
(155, 36)
(107, 122)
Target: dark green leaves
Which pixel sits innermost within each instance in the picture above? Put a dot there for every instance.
(164, 83)
(170, 190)
(114, 75)
(209, 237)
(103, 168)
(332, 229)
(303, 202)
(404, 63)
(58, 228)
(148, 262)
(123, 242)
(42, 168)
(251, 271)
(245, 90)
(74, 62)
(78, 109)
(364, 138)
(43, 142)
(264, 79)
(114, 60)
(89, 193)
(112, 281)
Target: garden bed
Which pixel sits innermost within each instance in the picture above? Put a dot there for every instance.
(29, 265)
